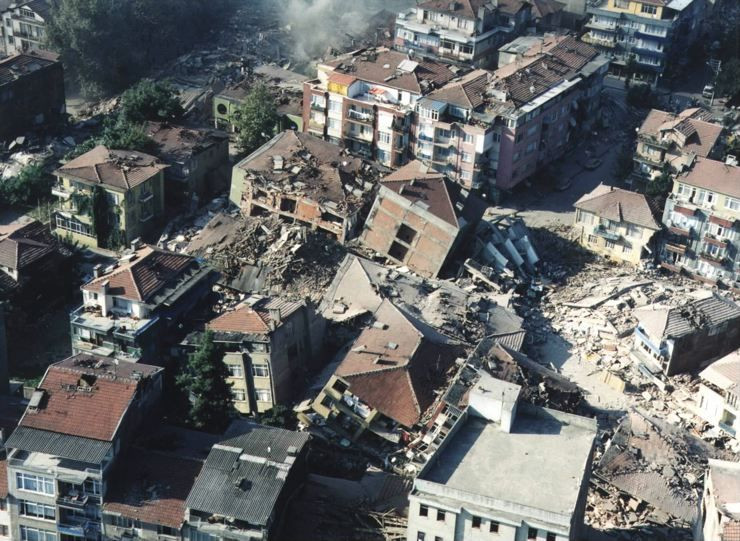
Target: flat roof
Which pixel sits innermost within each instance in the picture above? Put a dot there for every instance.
(541, 463)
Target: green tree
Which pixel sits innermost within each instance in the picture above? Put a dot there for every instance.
(29, 186)
(117, 134)
(279, 416)
(150, 100)
(204, 381)
(102, 219)
(256, 119)
(624, 164)
(728, 80)
(660, 185)
(641, 96)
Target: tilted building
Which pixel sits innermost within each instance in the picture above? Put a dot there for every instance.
(466, 32)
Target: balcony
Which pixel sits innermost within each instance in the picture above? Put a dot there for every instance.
(144, 218)
(424, 137)
(146, 196)
(363, 137)
(359, 116)
(603, 42)
(318, 106)
(59, 190)
(73, 499)
(608, 234)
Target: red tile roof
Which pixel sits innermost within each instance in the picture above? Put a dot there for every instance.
(142, 277)
(152, 487)
(121, 169)
(253, 319)
(396, 369)
(620, 205)
(25, 245)
(468, 92)
(713, 175)
(81, 400)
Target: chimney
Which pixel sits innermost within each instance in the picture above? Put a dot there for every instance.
(97, 270)
(136, 244)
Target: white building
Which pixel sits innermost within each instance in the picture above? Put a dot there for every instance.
(720, 505)
(507, 471)
(24, 26)
(717, 401)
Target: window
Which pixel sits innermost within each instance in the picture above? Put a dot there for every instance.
(235, 371)
(592, 239)
(493, 527)
(420, 536)
(339, 386)
(93, 487)
(519, 137)
(405, 234)
(467, 157)
(120, 522)
(423, 510)
(3, 504)
(532, 533)
(34, 534)
(467, 175)
(221, 108)
(34, 483)
(440, 515)
(469, 138)
(167, 530)
(238, 395)
(37, 510)
(476, 522)
(333, 124)
(263, 395)
(260, 371)
(384, 137)
(551, 536)
(3, 530)
(610, 244)
(719, 230)
(627, 249)
(650, 10)
(732, 204)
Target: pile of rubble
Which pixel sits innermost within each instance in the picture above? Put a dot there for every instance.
(266, 255)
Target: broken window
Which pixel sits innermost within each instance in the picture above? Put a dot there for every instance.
(340, 386)
(493, 527)
(287, 204)
(327, 402)
(406, 234)
(331, 217)
(440, 515)
(398, 251)
(476, 522)
(423, 510)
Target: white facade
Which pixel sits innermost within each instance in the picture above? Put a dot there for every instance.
(22, 29)
(720, 504)
(717, 401)
(4, 517)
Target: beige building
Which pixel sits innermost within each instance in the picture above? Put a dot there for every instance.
(269, 345)
(718, 400)
(133, 184)
(720, 505)
(617, 224)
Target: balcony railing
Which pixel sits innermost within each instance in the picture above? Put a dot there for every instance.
(318, 106)
(354, 114)
(146, 196)
(608, 234)
(59, 190)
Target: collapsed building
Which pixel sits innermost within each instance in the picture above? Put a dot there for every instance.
(671, 340)
(304, 180)
(419, 218)
(720, 504)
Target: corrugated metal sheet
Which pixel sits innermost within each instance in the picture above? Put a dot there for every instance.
(62, 445)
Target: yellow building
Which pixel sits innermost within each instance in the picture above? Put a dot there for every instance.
(617, 224)
(133, 185)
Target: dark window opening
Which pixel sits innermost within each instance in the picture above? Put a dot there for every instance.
(287, 205)
(340, 386)
(406, 234)
(493, 527)
(550, 536)
(532, 533)
(476, 522)
(331, 217)
(398, 251)
(221, 108)
(259, 211)
(423, 510)
(440, 515)
(327, 402)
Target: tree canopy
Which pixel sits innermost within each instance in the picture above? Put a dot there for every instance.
(204, 381)
(256, 120)
(30, 185)
(151, 100)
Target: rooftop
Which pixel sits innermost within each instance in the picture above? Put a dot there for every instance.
(692, 129)
(713, 175)
(143, 274)
(121, 169)
(152, 487)
(177, 143)
(244, 475)
(25, 244)
(396, 365)
(621, 206)
(726, 482)
(663, 322)
(22, 64)
(433, 192)
(260, 317)
(541, 463)
(391, 69)
(85, 396)
(300, 163)
(724, 373)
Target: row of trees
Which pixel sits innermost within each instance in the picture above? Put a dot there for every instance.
(108, 44)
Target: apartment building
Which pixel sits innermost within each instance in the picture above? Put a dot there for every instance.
(668, 141)
(61, 455)
(131, 309)
(720, 503)
(31, 92)
(5, 526)
(419, 218)
(246, 483)
(304, 179)
(617, 224)
(718, 399)
(505, 470)
(387, 379)
(493, 130)
(365, 101)
(24, 25)
(108, 198)
(702, 215)
(198, 162)
(649, 32)
(269, 346)
(675, 339)
(465, 32)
